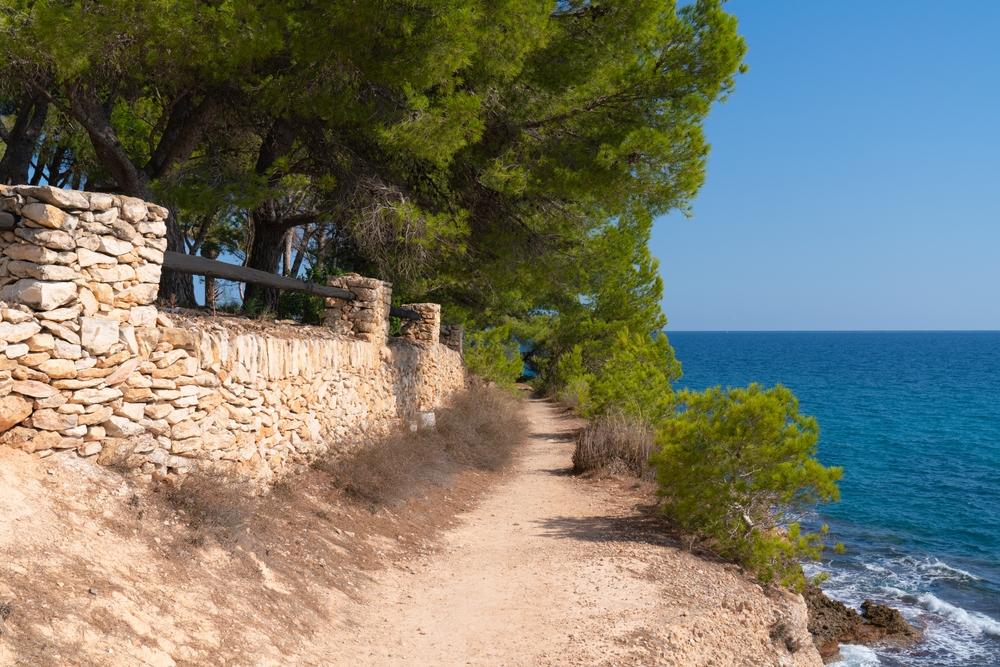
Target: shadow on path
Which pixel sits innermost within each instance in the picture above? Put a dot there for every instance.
(645, 527)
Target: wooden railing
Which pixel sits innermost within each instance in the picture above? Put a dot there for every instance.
(202, 266)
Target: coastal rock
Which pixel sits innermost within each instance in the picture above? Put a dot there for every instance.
(831, 623)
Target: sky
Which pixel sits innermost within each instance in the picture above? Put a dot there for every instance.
(854, 178)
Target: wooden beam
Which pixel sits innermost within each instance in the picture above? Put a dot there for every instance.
(202, 266)
(404, 313)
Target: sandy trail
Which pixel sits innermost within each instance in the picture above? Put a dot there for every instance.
(550, 569)
(543, 568)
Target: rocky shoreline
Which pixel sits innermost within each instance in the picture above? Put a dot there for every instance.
(833, 623)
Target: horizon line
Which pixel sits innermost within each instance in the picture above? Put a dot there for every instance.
(668, 330)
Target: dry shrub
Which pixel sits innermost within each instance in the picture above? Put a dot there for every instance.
(212, 505)
(479, 429)
(615, 444)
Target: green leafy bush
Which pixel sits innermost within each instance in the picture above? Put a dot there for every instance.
(732, 464)
(493, 354)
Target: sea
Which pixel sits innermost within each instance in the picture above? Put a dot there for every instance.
(914, 420)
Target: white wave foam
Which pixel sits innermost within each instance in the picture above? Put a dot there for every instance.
(975, 621)
(939, 567)
(852, 655)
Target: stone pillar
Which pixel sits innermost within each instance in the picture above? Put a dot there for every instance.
(453, 337)
(427, 328)
(88, 260)
(367, 315)
(79, 272)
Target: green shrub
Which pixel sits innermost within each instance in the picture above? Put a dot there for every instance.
(635, 378)
(732, 464)
(494, 355)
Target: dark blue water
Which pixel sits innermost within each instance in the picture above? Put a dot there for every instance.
(914, 419)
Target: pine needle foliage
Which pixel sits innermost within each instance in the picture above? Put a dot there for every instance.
(734, 465)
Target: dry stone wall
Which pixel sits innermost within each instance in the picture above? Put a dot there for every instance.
(88, 362)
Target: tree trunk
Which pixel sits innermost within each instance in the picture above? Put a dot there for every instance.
(176, 289)
(23, 141)
(211, 286)
(266, 251)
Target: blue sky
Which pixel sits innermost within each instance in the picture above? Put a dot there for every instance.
(854, 179)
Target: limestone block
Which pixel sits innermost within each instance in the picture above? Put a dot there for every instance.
(133, 210)
(49, 216)
(124, 230)
(63, 349)
(100, 201)
(154, 228)
(141, 293)
(60, 314)
(100, 414)
(54, 239)
(50, 420)
(14, 409)
(29, 252)
(39, 294)
(111, 245)
(23, 269)
(58, 368)
(67, 199)
(148, 273)
(122, 427)
(16, 350)
(15, 333)
(91, 396)
(112, 274)
(98, 334)
(40, 342)
(87, 258)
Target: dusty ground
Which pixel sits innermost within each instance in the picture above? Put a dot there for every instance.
(540, 568)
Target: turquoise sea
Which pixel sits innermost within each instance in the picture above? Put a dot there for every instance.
(914, 419)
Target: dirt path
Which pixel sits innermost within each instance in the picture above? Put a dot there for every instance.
(553, 570)
(542, 568)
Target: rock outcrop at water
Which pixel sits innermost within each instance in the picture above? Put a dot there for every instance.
(833, 623)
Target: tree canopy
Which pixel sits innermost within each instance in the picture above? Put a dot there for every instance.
(505, 158)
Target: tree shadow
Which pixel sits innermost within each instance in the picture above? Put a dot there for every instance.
(645, 526)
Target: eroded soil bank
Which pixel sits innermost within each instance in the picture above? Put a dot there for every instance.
(532, 566)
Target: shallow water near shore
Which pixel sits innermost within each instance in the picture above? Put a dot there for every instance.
(914, 419)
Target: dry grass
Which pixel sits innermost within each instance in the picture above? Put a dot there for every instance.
(212, 505)
(614, 444)
(480, 429)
